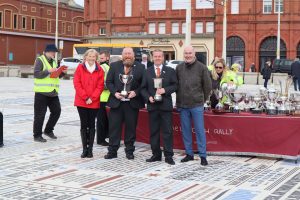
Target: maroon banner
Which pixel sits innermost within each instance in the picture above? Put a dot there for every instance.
(239, 134)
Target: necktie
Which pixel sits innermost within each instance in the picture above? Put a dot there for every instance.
(157, 72)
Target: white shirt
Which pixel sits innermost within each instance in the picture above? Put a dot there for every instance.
(145, 63)
(160, 67)
(92, 68)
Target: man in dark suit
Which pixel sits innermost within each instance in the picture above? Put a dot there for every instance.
(295, 72)
(160, 112)
(124, 108)
(146, 62)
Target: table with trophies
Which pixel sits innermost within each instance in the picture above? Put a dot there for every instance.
(264, 124)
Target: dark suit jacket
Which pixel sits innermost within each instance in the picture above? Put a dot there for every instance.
(295, 69)
(114, 84)
(149, 64)
(169, 83)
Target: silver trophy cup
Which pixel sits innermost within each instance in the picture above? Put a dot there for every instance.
(125, 79)
(236, 97)
(157, 85)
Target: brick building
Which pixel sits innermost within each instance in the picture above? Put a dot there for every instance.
(26, 26)
(251, 27)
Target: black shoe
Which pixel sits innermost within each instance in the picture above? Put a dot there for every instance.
(170, 161)
(110, 156)
(50, 135)
(104, 143)
(129, 156)
(187, 158)
(203, 161)
(84, 153)
(153, 159)
(39, 139)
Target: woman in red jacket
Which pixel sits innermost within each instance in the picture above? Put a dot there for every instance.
(88, 84)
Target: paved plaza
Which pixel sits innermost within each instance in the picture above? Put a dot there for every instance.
(54, 170)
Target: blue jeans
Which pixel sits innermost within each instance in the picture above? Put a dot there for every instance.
(195, 114)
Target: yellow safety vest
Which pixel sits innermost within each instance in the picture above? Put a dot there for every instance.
(105, 94)
(46, 84)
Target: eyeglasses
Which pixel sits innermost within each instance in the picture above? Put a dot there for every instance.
(217, 67)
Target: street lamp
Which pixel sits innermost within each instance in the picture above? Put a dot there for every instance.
(56, 29)
(188, 23)
(278, 30)
(224, 29)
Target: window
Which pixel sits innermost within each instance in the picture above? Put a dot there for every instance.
(278, 4)
(63, 14)
(49, 12)
(175, 28)
(102, 31)
(15, 25)
(63, 27)
(200, 4)
(234, 6)
(33, 9)
(128, 8)
(267, 6)
(151, 29)
(161, 28)
(180, 4)
(183, 28)
(199, 27)
(209, 27)
(157, 4)
(32, 24)
(24, 8)
(69, 28)
(48, 26)
(23, 22)
(1, 19)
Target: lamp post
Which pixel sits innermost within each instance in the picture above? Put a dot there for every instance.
(188, 24)
(56, 29)
(278, 31)
(224, 29)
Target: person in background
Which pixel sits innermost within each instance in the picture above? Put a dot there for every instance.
(124, 109)
(220, 75)
(89, 84)
(145, 61)
(266, 73)
(295, 72)
(102, 119)
(252, 68)
(46, 94)
(160, 112)
(194, 87)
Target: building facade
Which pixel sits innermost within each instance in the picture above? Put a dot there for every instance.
(26, 26)
(251, 27)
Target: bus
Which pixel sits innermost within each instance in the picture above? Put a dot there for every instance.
(113, 49)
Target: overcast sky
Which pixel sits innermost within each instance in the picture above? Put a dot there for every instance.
(80, 2)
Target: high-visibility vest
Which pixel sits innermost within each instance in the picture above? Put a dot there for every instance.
(46, 84)
(105, 94)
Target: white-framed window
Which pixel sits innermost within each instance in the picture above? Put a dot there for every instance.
(204, 4)
(128, 8)
(199, 27)
(161, 28)
(33, 23)
(180, 4)
(24, 23)
(157, 4)
(235, 7)
(175, 28)
(151, 28)
(267, 6)
(102, 31)
(183, 28)
(278, 4)
(209, 27)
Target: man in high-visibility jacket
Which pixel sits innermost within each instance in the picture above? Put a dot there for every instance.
(102, 119)
(46, 94)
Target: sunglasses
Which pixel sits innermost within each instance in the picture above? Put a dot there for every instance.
(217, 67)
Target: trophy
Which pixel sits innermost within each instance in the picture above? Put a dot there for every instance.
(272, 95)
(257, 99)
(282, 109)
(218, 94)
(226, 89)
(157, 85)
(236, 97)
(125, 79)
(284, 93)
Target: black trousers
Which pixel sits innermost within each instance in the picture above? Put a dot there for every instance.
(87, 117)
(266, 83)
(41, 102)
(128, 116)
(102, 123)
(161, 121)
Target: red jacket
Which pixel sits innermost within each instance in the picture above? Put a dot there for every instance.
(88, 85)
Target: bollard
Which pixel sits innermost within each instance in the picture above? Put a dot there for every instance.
(1, 129)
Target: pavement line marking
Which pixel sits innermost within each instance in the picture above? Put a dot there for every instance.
(54, 175)
(182, 191)
(102, 181)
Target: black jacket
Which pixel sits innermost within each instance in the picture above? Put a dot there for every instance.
(295, 69)
(266, 72)
(114, 84)
(169, 83)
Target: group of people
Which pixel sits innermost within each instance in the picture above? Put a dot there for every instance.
(125, 86)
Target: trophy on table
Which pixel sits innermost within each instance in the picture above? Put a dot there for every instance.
(125, 79)
(272, 95)
(284, 93)
(257, 99)
(218, 94)
(157, 85)
(236, 97)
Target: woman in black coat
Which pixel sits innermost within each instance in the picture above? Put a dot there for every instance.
(266, 72)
